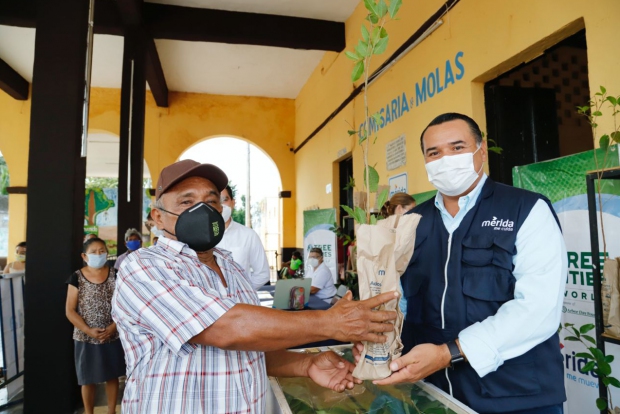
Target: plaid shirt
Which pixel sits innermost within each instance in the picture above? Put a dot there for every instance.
(165, 296)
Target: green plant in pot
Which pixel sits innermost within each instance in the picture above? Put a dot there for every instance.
(384, 247)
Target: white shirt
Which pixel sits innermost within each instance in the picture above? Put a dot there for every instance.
(540, 268)
(248, 251)
(322, 279)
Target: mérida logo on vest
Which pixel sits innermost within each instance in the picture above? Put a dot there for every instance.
(499, 224)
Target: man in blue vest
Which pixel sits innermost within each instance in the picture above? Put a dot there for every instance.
(485, 285)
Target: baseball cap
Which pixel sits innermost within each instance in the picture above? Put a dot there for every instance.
(177, 172)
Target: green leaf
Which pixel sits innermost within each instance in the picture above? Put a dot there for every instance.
(568, 325)
(597, 113)
(589, 338)
(362, 48)
(373, 219)
(371, 7)
(365, 34)
(609, 358)
(603, 90)
(381, 45)
(613, 382)
(352, 55)
(497, 150)
(601, 404)
(360, 215)
(584, 355)
(604, 368)
(372, 18)
(383, 197)
(358, 69)
(373, 175)
(352, 132)
(587, 367)
(571, 338)
(598, 354)
(612, 100)
(586, 328)
(577, 333)
(382, 9)
(615, 136)
(394, 7)
(349, 210)
(604, 142)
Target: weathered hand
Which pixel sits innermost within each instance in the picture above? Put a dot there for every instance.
(108, 332)
(331, 371)
(357, 321)
(419, 363)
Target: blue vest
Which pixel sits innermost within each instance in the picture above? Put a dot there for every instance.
(479, 281)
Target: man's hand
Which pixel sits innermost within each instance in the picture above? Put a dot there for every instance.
(331, 371)
(419, 363)
(357, 321)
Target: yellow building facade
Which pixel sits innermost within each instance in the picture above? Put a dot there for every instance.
(446, 72)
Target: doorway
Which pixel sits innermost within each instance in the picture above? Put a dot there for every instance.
(531, 110)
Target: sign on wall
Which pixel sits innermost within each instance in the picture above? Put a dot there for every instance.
(398, 184)
(317, 233)
(395, 153)
(563, 181)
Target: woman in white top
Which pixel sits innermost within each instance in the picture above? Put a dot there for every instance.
(19, 265)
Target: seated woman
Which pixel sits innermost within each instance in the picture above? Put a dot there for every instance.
(290, 268)
(19, 265)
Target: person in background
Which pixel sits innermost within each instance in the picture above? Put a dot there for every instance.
(399, 203)
(290, 268)
(89, 236)
(243, 243)
(322, 281)
(98, 351)
(133, 241)
(19, 265)
(155, 240)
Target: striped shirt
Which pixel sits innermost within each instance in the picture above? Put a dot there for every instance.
(164, 297)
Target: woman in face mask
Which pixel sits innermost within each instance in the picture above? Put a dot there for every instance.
(19, 265)
(98, 352)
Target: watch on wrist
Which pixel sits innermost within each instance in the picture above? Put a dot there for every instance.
(455, 354)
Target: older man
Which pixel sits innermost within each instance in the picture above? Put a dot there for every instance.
(195, 339)
(485, 284)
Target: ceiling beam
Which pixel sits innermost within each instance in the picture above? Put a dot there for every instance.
(202, 25)
(131, 14)
(12, 82)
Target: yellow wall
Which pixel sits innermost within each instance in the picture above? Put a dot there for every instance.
(266, 122)
(14, 137)
(493, 37)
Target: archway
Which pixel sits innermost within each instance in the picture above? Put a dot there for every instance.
(257, 182)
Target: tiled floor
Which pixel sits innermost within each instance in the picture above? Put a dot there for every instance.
(100, 402)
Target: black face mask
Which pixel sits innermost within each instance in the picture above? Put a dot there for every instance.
(201, 227)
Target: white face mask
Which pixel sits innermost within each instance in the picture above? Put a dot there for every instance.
(96, 261)
(452, 175)
(314, 262)
(226, 212)
(156, 232)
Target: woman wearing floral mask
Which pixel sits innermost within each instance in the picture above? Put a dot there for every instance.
(19, 265)
(98, 352)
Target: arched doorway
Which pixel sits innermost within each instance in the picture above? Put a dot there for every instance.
(257, 183)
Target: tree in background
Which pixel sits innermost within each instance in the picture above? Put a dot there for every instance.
(4, 177)
(238, 214)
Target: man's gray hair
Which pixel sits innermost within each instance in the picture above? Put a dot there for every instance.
(159, 203)
(131, 232)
